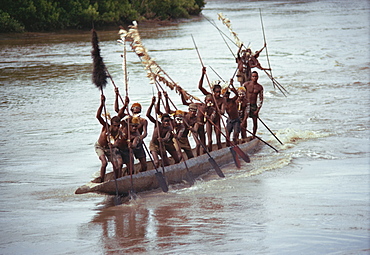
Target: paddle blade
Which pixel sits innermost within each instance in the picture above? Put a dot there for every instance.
(117, 200)
(190, 178)
(216, 167)
(132, 194)
(235, 157)
(241, 153)
(162, 181)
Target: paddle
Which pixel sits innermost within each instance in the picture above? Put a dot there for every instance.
(99, 78)
(131, 156)
(262, 141)
(235, 147)
(160, 178)
(264, 39)
(210, 159)
(269, 130)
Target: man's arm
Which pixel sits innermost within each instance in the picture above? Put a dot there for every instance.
(258, 52)
(184, 102)
(100, 109)
(121, 112)
(145, 129)
(200, 85)
(259, 100)
(158, 106)
(148, 113)
(167, 104)
(222, 108)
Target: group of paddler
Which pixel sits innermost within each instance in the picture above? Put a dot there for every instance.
(122, 139)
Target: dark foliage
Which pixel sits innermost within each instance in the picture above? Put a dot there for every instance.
(44, 15)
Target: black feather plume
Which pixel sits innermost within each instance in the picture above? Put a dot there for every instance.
(99, 75)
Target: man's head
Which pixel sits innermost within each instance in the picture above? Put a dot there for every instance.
(217, 90)
(136, 108)
(193, 108)
(115, 124)
(209, 100)
(241, 92)
(134, 124)
(166, 119)
(254, 76)
(179, 116)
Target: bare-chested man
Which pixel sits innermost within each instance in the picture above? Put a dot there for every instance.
(130, 141)
(181, 128)
(219, 105)
(207, 115)
(233, 120)
(244, 69)
(243, 111)
(253, 60)
(246, 61)
(142, 128)
(162, 138)
(255, 98)
(106, 146)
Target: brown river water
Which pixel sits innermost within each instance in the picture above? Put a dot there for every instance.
(310, 198)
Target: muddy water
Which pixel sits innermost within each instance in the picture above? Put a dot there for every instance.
(310, 198)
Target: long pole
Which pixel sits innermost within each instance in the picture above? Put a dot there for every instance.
(264, 39)
(270, 130)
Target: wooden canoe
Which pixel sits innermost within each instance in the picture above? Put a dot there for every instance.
(145, 181)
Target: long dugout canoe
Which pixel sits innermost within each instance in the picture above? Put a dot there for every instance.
(145, 181)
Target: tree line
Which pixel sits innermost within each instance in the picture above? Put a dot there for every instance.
(51, 15)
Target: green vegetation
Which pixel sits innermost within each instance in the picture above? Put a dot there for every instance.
(48, 15)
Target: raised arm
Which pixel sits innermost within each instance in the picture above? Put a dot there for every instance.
(158, 105)
(148, 112)
(200, 85)
(240, 48)
(183, 99)
(258, 52)
(120, 112)
(100, 109)
(167, 103)
(232, 88)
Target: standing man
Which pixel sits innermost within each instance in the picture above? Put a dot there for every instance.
(162, 138)
(255, 98)
(109, 140)
(233, 120)
(244, 69)
(142, 128)
(219, 105)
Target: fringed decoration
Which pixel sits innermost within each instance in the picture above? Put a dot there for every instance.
(227, 22)
(154, 72)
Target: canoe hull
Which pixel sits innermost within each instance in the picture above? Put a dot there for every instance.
(176, 173)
